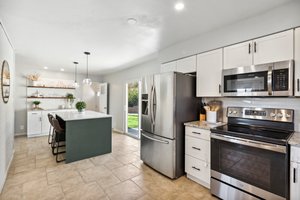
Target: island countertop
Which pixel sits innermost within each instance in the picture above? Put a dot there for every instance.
(75, 115)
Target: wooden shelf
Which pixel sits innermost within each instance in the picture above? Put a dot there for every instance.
(46, 97)
(66, 88)
(6, 85)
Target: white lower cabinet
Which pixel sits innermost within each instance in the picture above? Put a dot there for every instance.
(197, 155)
(295, 173)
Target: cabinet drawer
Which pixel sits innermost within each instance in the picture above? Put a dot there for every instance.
(295, 154)
(197, 148)
(198, 133)
(197, 168)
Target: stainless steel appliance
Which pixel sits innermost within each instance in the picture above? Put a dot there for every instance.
(249, 155)
(168, 100)
(272, 79)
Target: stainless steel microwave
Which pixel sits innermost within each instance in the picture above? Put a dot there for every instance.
(272, 79)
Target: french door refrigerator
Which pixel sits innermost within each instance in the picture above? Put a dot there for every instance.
(168, 100)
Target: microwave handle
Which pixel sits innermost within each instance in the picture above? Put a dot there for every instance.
(298, 84)
(270, 77)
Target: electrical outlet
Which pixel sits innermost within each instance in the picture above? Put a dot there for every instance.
(22, 127)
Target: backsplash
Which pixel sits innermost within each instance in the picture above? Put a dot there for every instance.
(288, 103)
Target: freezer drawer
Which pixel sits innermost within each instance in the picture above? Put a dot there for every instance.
(158, 153)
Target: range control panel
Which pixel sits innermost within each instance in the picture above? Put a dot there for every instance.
(271, 114)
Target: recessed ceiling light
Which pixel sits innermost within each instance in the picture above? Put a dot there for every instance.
(179, 6)
(132, 21)
(62, 69)
(45, 67)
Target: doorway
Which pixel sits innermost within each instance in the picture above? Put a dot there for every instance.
(132, 111)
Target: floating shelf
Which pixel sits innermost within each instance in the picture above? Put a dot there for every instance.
(46, 97)
(6, 85)
(66, 88)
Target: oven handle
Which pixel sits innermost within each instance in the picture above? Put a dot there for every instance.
(251, 143)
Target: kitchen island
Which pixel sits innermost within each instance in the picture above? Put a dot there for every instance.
(88, 134)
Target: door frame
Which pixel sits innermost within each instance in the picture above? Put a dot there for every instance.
(139, 105)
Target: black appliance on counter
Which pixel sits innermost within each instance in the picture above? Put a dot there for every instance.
(249, 155)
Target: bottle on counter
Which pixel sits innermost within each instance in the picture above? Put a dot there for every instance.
(202, 115)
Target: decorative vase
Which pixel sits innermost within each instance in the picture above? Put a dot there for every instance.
(81, 110)
(69, 103)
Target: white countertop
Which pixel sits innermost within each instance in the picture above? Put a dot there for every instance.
(295, 139)
(204, 124)
(75, 115)
(53, 110)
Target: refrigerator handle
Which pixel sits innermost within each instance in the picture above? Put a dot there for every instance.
(154, 106)
(151, 104)
(154, 139)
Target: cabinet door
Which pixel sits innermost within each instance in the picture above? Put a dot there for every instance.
(209, 72)
(238, 55)
(168, 67)
(297, 62)
(187, 65)
(45, 123)
(295, 181)
(34, 123)
(274, 48)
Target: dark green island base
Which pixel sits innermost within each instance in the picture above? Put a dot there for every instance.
(86, 136)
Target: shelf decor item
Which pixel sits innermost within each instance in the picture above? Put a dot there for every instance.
(80, 106)
(87, 80)
(33, 79)
(76, 84)
(70, 99)
(36, 105)
(5, 81)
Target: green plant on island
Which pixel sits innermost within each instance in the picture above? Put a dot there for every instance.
(80, 106)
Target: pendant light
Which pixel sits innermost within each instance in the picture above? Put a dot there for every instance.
(76, 84)
(87, 80)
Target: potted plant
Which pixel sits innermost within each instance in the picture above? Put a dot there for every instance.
(70, 98)
(36, 104)
(80, 106)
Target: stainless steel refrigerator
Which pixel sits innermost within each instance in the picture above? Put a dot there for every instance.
(168, 100)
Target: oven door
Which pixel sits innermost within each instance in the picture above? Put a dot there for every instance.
(251, 166)
(248, 81)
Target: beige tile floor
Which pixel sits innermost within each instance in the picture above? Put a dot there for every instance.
(34, 175)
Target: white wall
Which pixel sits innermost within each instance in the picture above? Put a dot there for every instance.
(117, 82)
(85, 93)
(279, 19)
(6, 111)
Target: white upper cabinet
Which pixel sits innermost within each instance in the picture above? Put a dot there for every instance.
(274, 48)
(187, 65)
(209, 73)
(168, 67)
(238, 55)
(297, 62)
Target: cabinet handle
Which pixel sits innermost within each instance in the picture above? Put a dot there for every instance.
(249, 48)
(254, 47)
(294, 175)
(196, 133)
(196, 148)
(196, 168)
(219, 88)
(298, 83)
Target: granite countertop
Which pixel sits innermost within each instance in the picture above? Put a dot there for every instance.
(204, 124)
(75, 115)
(295, 139)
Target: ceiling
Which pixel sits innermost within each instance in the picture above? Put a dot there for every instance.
(54, 33)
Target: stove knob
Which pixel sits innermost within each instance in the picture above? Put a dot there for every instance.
(287, 115)
(279, 115)
(230, 112)
(272, 115)
(234, 112)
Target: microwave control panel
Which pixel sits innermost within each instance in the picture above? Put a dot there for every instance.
(280, 80)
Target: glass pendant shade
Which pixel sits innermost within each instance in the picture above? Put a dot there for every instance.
(87, 80)
(76, 84)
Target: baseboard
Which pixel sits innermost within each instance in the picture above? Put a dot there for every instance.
(20, 134)
(118, 131)
(6, 172)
